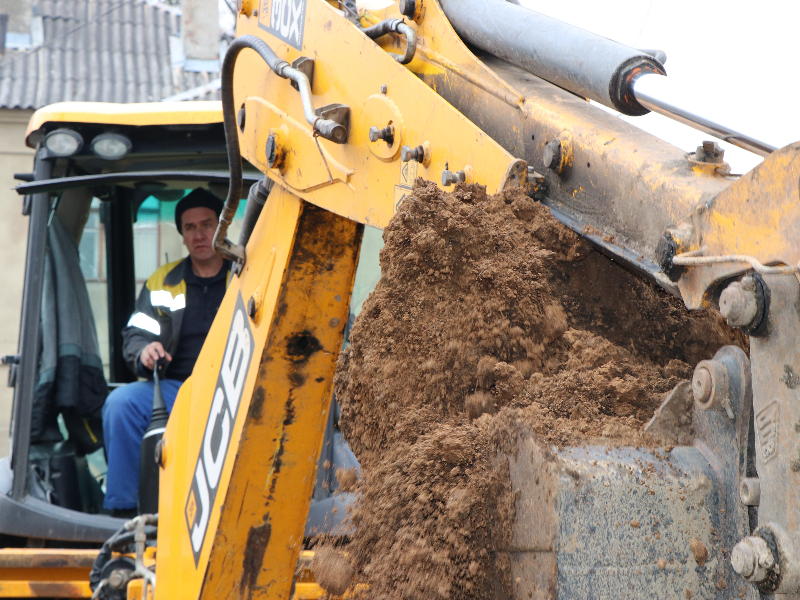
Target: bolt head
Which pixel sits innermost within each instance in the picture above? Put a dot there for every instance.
(752, 559)
(710, 152)
(374, 134)
(748, 283)
(252, 308)
(743, 559)
(702, 385)
(552, 154)
(241, 118)
(738, 303)
(407, 8)
(384, 89)
(117, 579)
(750, 491)
(272, 150)
(338, 134)
(407, 153)
(447, 178)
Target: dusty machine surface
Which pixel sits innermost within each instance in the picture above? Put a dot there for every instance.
(595, 333)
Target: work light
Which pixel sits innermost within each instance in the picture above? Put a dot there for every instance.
(111, 146)
(63, 142)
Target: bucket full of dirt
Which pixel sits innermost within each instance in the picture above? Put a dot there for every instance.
(490, 315)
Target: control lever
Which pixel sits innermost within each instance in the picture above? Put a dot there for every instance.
(149, 466)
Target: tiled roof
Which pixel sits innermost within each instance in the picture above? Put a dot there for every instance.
(98, 51)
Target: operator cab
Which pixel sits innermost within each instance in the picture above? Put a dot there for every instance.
(101, 202)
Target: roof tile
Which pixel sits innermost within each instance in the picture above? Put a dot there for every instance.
(97, 50)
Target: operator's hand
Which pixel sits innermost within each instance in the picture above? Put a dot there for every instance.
(151, 353)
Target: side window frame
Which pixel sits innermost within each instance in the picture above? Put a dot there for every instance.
(116, 214)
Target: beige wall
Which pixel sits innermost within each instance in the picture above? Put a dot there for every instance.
(15, 157)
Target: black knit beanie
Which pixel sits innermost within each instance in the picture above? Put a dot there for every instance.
(198, 198)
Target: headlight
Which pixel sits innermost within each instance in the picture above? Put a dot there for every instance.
(63, 142)
(111, 146)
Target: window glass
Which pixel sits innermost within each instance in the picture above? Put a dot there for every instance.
(147, 239)
(92, 256)
(368, 271)
(156, 242)
(90, 249)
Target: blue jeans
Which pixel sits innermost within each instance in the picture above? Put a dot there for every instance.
(126, 415)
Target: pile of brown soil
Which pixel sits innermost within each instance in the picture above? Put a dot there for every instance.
(489, 312)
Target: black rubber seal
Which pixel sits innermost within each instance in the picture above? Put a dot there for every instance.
(620, 88)
(666, 250)
(773, 580)
(760, 326)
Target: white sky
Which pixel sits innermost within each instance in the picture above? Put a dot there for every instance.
(735, 60)
(226, 19)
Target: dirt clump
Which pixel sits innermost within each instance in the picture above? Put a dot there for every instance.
(490, 314)
(347, 479)
(699, 551)
(331, 569)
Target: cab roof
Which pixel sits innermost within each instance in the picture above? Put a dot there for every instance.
(136, 114)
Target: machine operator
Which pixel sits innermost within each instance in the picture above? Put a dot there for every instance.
(173, 315)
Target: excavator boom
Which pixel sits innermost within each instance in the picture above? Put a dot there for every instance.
(343, 150)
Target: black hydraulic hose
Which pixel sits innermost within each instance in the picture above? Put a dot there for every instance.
(394, 26)
(330, 130)
(256, 198)
(380, 29)
(120, 542)
(222, 245)
(122, 538)
(102, 559)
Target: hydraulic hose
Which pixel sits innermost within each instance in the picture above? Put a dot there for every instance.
(330, 130)
(102, 559)
(256, 198)
(116, 543)
(140, 541)
(120, 542)
(373, 32)
(395, 26)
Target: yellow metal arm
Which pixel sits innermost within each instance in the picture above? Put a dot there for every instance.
(242, 443)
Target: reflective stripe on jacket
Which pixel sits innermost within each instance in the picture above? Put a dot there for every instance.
(159, 313)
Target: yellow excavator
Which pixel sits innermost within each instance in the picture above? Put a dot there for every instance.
(334, 111)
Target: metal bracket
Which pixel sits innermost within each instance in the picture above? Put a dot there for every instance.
(338, 113)
(306, 66)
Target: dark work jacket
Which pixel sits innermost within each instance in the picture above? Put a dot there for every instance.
(159, 313)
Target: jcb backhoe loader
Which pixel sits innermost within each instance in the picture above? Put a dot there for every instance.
(342, 109)
(101, 203)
